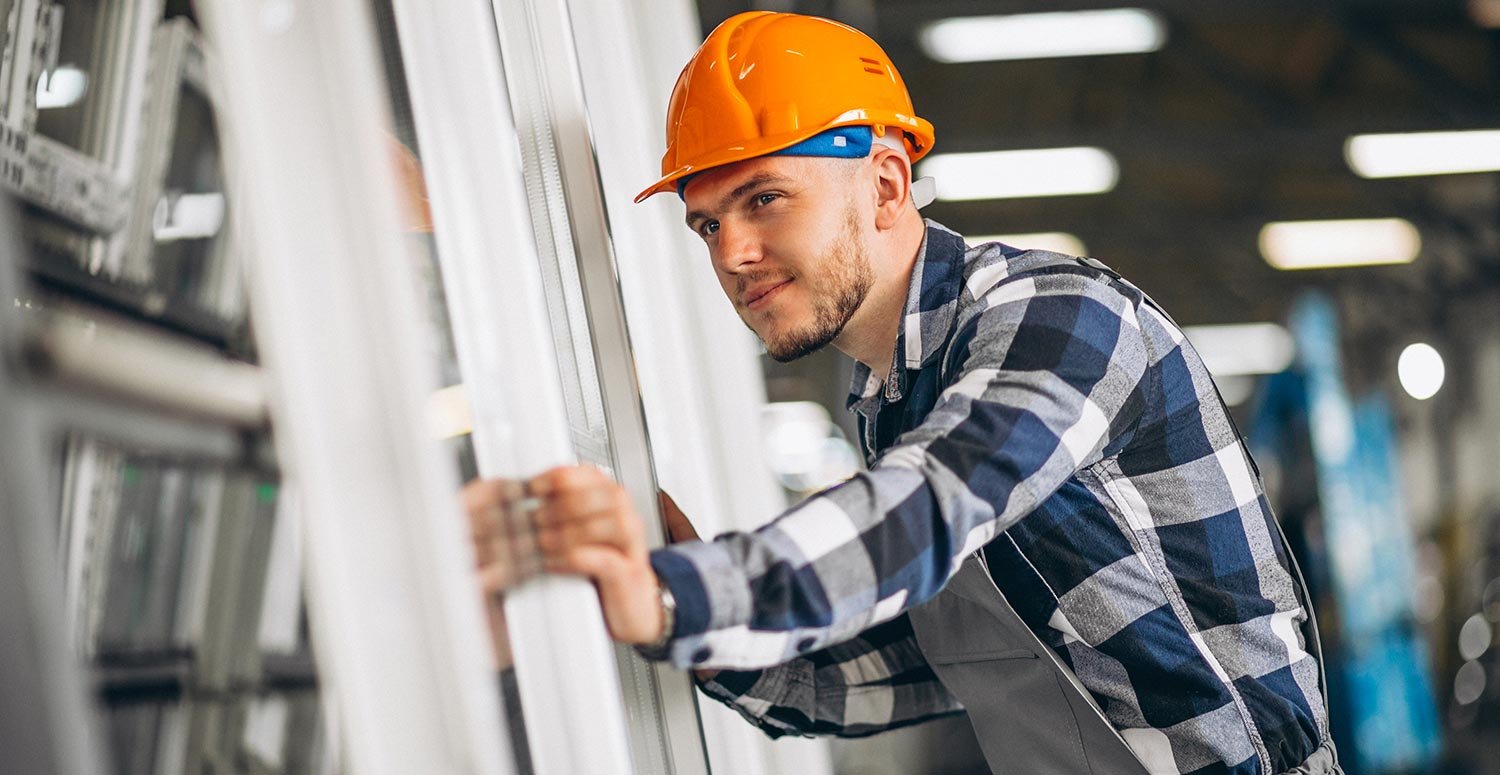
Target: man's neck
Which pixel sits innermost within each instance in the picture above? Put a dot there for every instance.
(871, 333)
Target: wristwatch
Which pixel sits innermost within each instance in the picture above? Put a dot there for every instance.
(658, 651)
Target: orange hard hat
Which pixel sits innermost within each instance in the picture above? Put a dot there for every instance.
(765, 81)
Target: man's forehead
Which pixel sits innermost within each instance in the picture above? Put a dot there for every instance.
(706, 188)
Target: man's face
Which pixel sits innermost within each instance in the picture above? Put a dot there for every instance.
(788, 246)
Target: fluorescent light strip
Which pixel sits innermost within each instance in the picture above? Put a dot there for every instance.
(1242, 349)
(1327, 244)
(1055, 241)
(1043, 35)
(1423, 153)
(1021, 174)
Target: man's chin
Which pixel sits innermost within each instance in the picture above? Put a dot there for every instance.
(786, 351)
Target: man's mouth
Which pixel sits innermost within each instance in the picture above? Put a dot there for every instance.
(762, 296)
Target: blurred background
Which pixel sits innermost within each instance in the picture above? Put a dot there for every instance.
(279, 276)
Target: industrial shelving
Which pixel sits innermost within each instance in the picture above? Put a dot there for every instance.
(128, 356)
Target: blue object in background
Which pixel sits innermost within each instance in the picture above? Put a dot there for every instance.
(1384, 712)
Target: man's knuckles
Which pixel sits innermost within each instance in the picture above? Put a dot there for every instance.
(608, 530)
(564, 478)
(480, 495)
(584, 503)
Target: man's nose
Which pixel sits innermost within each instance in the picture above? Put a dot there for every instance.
(739, 247)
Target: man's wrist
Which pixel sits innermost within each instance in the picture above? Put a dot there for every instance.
(658, 650)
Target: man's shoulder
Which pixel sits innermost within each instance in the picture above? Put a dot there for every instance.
(995, 273)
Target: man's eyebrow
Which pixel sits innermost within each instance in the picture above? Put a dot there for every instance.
(739, 191)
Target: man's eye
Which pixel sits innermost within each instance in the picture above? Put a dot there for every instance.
(708, 227)
(765, 199)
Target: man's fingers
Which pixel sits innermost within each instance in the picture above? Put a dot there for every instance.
(581, 504)
(484, 553)
(498, 577)
(480, 493)
(617, 529)
(564, 478)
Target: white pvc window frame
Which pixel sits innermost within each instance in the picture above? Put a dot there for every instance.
(567, 682)
(564, 662)
(398, 631)
(544, 65)
(701, 379)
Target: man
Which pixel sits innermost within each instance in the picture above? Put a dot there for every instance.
(1060, 531)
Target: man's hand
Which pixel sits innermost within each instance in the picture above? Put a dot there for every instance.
(586, 525)
(571, 519)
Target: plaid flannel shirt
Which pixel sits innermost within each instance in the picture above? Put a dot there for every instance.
(1049, 412)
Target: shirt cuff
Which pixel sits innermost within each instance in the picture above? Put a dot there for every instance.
(678, 574)
(710, 592)
(757, 694)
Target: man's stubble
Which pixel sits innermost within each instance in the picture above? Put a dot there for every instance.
(837, 289)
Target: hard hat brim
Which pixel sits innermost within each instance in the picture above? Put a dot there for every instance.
(911, 125)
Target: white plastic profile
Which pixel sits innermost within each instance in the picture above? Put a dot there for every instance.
(700, 375)
(543, 64)
(398, 633)
(564, 662)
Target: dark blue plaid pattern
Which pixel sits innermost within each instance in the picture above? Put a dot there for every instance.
(1043, 410)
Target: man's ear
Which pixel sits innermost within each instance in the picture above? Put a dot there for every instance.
(892, 186)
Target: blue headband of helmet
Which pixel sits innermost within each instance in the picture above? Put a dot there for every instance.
(845, 142)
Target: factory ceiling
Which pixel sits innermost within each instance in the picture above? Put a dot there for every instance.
(1239, 119)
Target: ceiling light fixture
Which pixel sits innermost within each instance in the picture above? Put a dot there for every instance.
(1326, 244)
(1021, 174)
(1242, 349)
(1043, 35)
(1421, 371)
(1423, 153)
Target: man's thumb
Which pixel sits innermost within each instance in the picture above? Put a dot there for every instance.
(679, 529)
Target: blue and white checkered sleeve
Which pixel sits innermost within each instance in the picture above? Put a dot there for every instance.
(871, 683)
(1043, 377)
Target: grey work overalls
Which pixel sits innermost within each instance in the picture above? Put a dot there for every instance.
(1029, 711)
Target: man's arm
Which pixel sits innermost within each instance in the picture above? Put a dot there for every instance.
(1044, 378)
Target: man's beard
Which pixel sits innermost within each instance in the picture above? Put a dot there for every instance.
(843, 281)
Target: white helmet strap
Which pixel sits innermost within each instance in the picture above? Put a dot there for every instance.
(923, 190)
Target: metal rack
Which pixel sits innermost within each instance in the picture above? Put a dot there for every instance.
(129, 356)
(97, 98)
(160, 517)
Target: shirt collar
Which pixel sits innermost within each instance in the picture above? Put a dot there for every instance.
(927, 320)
